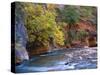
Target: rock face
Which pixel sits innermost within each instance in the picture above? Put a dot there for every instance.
(20, 42)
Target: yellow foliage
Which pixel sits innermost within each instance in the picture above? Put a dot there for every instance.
(59, 36)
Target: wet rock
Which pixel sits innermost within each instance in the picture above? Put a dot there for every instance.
(21, 37)
(21, 53)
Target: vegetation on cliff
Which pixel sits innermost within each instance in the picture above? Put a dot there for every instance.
(57, 26)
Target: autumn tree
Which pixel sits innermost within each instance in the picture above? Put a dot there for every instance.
(41, 25)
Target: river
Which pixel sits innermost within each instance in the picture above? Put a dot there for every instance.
(59, 60)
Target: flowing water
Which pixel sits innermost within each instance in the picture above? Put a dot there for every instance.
(63, 59)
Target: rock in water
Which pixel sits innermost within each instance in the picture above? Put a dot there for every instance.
(21, 52)
(20, 42)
